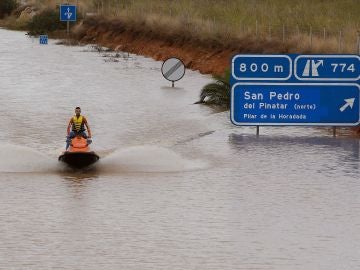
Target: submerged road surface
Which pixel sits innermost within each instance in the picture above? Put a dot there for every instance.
(178, 186)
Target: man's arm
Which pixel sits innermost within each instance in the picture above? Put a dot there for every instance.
(87, 127)
(69, 126)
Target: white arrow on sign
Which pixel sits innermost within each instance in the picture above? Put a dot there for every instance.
(311, 68)
(68, 13)
(349, 103)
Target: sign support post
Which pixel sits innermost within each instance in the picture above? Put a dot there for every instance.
(68, 14)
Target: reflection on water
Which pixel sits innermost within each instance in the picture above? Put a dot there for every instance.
(343, 153)
(80, 177)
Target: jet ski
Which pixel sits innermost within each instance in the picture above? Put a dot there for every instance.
(79, 154)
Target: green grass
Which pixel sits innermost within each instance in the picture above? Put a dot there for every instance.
(263, 19)
(312, 25)
(242, 15)
(335, 15)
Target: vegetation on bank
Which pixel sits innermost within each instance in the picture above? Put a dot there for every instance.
(218, 91)
(7, 7)
(328, 26)
(44, 22)
(331, 25)
(34, 19)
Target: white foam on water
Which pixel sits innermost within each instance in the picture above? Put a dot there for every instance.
(148, 158)
(15, 158)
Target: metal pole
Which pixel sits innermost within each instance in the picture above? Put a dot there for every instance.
(334, 131)
(269, 31)
(340, 41)
(256, 29)
(257, 131)
(310, 37)
(67, 24)
(283, 33)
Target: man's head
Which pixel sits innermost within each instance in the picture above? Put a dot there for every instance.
(77, 111)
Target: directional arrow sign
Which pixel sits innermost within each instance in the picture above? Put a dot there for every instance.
(327, 67)
(349, 103)
(67, 13)
(321, 104)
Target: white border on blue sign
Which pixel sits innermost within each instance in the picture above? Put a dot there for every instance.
(262, 56)
(289, 124)
(324, 56)
(75, 17)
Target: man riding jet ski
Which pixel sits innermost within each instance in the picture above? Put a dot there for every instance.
(79, 154)
(76, 124)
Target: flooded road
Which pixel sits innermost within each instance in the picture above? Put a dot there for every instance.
(178, 186)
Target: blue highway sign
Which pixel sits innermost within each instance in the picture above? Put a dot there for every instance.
(43, 39)
(320, 104)
(327, 68)
(261, 67)
(67, 13)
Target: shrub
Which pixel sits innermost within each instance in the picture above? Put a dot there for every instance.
(217, 92)
(6, 7)
(45, 22)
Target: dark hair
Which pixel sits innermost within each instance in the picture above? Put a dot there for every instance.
(77, 108)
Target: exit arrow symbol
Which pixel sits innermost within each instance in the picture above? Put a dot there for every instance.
(68, 13)
(349, 103)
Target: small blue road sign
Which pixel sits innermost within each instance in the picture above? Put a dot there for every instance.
(43, 39)
(261, 67)
(320, 104)
(67, 13)
(327, 67)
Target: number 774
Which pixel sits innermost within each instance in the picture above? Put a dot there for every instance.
(342, 67)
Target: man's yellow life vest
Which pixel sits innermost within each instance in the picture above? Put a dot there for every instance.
(78, 124)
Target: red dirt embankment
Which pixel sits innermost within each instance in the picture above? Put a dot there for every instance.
(209, 56)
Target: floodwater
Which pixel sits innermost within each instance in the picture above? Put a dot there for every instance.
(178, 186)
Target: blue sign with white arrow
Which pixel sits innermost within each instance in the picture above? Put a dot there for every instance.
(67, 13)
(320, 104)
(321, 90)
(327, 67)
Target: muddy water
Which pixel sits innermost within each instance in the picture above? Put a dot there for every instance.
(178, 187)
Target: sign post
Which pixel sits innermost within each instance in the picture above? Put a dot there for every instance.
(68, 14)
(289, 90)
